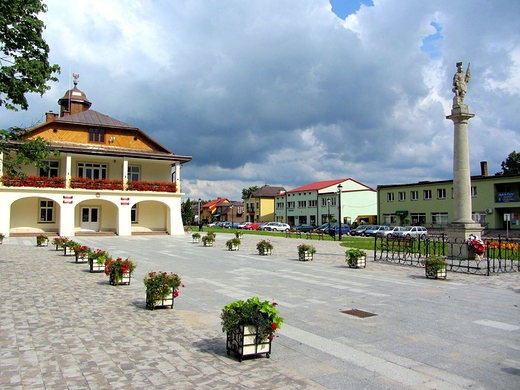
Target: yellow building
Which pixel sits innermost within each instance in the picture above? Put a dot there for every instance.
(259, 205)
(109, 177)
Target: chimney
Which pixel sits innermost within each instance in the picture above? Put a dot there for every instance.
(484, 168)
(49, 116)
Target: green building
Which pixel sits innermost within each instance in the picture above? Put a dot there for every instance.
(495, 202)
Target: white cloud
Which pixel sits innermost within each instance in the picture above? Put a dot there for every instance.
(286, 93)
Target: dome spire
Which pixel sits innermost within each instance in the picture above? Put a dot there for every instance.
(74, 101)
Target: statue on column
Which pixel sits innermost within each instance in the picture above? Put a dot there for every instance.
(460, 84)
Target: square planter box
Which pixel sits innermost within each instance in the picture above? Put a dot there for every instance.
(125, 279)
(208, 243)
(359, 263)
(68, 251)
(196, 239)
(305, 256)
(95, 267)
(81, 258)
(264, 252)
(161, 303)
(245, 342)
(233, 247)
(435, 274)
(42, 243)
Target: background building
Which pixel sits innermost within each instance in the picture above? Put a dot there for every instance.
(431, 203)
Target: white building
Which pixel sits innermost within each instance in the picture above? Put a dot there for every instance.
(314, 202)
(110, 177)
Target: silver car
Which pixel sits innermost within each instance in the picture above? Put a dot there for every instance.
(276, 227)
(412, 232)
(390, 232)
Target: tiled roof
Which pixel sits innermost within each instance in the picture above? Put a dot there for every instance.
(94, 118)
(267, 191)
(318, 185)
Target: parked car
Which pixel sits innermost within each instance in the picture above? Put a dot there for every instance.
(276, 227)
(388, 233)
(229, 225)
(376, 229)
(243, 225)
(304, 227)
(412, 232)
(345, 229)
(360, 230)
(252, 226)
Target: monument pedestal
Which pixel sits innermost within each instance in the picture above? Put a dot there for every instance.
(458, 233)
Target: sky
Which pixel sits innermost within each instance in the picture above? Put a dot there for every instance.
(288, 92)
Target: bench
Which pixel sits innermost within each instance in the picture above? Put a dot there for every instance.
(298, 233)
(318, 233)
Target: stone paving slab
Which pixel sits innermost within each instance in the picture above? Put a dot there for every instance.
(63, 327)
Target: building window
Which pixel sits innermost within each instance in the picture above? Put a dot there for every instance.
(473, 192)
(134, 172)
(324, 201)
(402, 196)
(418, 218)
(313, 203)
(92, 171)
(441, 193)
(50, 169)
(96, 135)
(390, 197)
(439, 218)
(133, 214)
(389, 219)
(290, 205)
(279, 205)
(302, 203)
(46, 211)
(414, 195)
(427, 194)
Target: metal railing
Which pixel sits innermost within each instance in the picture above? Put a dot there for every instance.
(501, 255)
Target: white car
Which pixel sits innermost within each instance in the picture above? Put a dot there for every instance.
(276, 227)
(389, 233)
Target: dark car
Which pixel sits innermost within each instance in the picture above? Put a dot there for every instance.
(360, 230)
(303, 227)
(345, 229)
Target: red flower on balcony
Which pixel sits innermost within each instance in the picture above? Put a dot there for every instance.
(33, 181)
(96, 184)
(154, 186)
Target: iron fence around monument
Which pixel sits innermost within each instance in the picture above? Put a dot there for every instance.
(502, 254)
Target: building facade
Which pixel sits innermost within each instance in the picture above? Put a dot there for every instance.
(494, 199)
(108, 177)
(316, 202)
(259, 205)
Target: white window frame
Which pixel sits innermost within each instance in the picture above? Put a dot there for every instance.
(45, 206)
(427, 194)
(390, 197)
(414, 195)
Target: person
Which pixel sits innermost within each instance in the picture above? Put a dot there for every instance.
(460, 84)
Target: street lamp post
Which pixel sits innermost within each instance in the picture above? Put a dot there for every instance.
(340, 187)
(328, 215)
(198, 216)
(232, 220)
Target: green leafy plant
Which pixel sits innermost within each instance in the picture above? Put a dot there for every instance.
(234, 242)
(353, 254)
(59, 241)
(195, 235)
(262, 314)
(115, 269)
(302, 248)
(239, 234)
(2, 236)
(434, 263)
(99, 256)
(208, 239)
(264, 246)
(81, 250)
(160, 285)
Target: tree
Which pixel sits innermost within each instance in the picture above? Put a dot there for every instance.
(511, 166)
(24, 64)
(187, 212)
(33, 152)
(248, 191)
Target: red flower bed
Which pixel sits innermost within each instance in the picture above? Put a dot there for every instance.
(155, 186)
(34, 181)
(96, 184)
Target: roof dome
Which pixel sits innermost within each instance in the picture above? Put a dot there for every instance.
(74, 101)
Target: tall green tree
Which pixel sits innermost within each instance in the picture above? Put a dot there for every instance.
(511, 166)
(248, 191)
(187, 211)
(24, 63)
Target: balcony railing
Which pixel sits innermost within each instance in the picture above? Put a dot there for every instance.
(88, 184)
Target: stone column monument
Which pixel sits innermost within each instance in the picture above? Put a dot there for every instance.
(462, 225)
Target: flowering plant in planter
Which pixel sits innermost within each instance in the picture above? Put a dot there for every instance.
(2, 236)
(60, 242)
(42, 240)
(264, 246)
(352, 255)
(233, 243)
(160, 286)
(119, 268)
(302, 248)
(100, 256)
(208, 239)
(476, 244)
(253, 312)
(81, 250)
